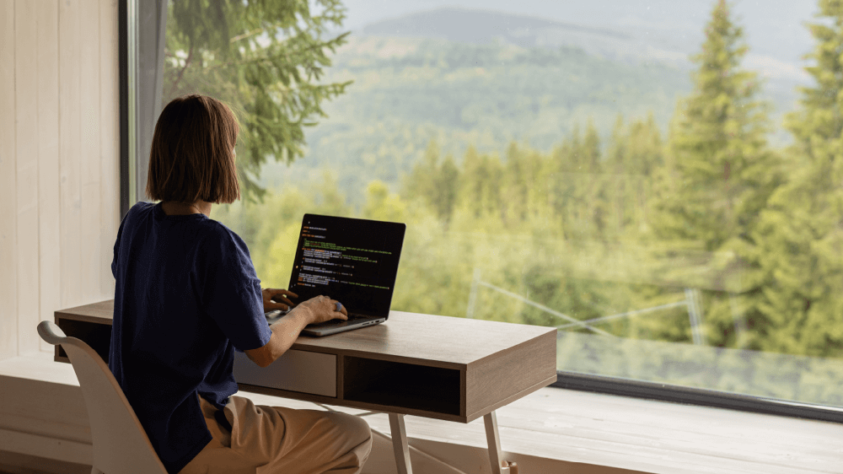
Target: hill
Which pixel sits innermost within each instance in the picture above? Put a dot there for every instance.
(484, 27)
(479, 26)
(409, 91)
(480, 78)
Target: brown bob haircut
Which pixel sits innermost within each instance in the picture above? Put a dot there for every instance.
(192, 156)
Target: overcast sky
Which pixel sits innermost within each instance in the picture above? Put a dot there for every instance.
(774, 27)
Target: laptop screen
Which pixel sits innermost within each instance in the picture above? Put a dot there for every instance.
(353, 261)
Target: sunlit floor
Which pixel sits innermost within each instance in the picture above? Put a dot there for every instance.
(643, 435)
(596, 430)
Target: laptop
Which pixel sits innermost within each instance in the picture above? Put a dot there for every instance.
(353, 261)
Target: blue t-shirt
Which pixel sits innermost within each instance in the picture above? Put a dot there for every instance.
(186, 296)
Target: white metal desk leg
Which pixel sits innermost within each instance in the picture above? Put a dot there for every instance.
(399, 443)
(494, 441)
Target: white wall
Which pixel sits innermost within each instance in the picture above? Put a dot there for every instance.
(59, 161)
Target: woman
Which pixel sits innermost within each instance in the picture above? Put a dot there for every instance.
(187, 296)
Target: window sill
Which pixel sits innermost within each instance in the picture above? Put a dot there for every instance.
(605, 432)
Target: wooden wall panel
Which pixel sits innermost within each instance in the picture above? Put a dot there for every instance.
(48, 161)
(89, 160)
(8, 185)
(70, 150)
(59, 161)
(26, 168)
(109, 141)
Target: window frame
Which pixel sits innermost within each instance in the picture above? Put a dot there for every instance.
(565, 379)
(694, 396)
(126, 163)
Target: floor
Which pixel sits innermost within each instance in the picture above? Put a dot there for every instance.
(595, 430)
(644, 435)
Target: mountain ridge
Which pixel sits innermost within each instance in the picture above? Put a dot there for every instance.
(418, 24)
(631, 42)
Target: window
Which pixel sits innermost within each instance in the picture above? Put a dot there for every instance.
(660, 184)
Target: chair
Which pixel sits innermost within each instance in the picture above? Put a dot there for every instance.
(120, 443)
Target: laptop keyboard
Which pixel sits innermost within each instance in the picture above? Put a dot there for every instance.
(351, 318)
(273, 315)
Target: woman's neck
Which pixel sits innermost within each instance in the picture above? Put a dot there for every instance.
(185, 208)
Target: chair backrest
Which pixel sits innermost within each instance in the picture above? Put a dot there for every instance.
(120, 443)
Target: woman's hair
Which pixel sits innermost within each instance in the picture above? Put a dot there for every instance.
(192, 156)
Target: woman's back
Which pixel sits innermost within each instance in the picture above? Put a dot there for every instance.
(186, 296)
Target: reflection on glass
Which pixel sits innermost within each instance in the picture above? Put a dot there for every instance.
(655, 184)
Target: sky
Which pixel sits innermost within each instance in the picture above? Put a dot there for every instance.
(773, 27)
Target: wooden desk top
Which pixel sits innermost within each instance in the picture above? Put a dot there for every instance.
(436, 341)
(493, 363)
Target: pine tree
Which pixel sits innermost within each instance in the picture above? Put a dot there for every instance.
(573, 186)
(447, 184)
(722, 171)
(560, 187)
(517, 181)
(590, 192)
(420, 184)
(471, 192)
(635, 152)
(435, 182)
(801, 232)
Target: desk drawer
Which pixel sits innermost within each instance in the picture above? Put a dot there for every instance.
(296, 371)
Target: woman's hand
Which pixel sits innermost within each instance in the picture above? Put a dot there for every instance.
(271, 298)
(321, 309)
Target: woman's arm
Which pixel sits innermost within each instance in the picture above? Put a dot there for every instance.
(287, 329)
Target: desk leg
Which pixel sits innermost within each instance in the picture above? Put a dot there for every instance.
(399, 443)
(494, 441)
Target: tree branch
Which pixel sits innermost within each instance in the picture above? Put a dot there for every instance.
(174, 87)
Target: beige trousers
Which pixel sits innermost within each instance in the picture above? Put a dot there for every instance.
(265, 440)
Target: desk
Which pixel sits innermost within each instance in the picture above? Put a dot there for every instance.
(414, 364)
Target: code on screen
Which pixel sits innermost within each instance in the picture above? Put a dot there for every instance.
(354, 261)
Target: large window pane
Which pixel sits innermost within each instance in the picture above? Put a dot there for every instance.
(659, 180)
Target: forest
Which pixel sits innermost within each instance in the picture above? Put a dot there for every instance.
(695, 252)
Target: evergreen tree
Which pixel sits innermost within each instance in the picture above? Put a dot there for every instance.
(589, 202)
(472, 187)
(435, 182)
(559, 186)
(802, 229)
(420, 184)
(447, 183)
(517, 182)
(722, 171)
(265, 59)
(572, 184)
(492, 173)
(524, 190)
(635, 153)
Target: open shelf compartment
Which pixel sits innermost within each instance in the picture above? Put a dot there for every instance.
(399, 384)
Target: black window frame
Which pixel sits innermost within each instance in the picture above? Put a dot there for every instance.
(123, 65)
(565, 379)
(694, 396)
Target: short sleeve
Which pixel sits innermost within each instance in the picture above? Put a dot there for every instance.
(231, 291)
(114, 261)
